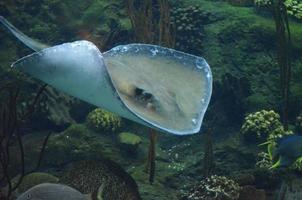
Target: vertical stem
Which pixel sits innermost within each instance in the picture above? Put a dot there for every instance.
(283, 55)
(166, 37)
(150, 167)
(42, 151)
(208, 164)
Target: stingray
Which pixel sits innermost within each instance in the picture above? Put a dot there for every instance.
(162, 88)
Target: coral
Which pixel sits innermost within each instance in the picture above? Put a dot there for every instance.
(293, 7)
(214, 188)
(264, 160)
(102, 120)
(259, 125)
(188, 23)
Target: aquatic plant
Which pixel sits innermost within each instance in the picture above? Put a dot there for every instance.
(214, 187)
(259, 125)
(150, 166)
(102, 120)
(208, 160)
(280, 13)
(265, 161)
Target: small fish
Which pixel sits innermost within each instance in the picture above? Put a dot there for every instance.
(51, 191)
(288, 150)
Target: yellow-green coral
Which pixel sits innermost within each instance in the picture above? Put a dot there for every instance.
(262, 124)
(103, 120)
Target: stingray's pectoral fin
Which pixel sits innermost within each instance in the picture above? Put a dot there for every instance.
(31, 43)
(77, 69)
(166, 88)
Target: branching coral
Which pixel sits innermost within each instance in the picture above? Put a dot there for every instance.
(261, 125)
(215, 188)
(102, 120)
(293, 7)
(264, 160)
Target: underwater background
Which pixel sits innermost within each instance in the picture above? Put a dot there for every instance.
(249, 147)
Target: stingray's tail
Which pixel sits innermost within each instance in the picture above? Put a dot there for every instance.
(31, 43)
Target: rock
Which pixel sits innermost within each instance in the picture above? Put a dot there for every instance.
(35, 178)
(31, 180)
(251, 193)
(244, 179)
(129, 142)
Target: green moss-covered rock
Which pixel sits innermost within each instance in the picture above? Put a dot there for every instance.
(129, 142)
(102, 120)
(76, 142)
(129, 138)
